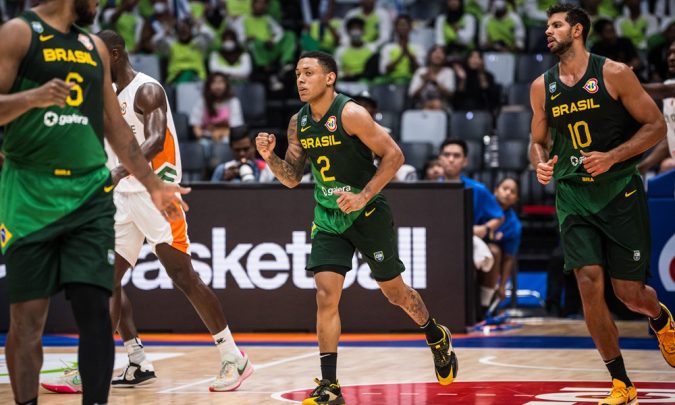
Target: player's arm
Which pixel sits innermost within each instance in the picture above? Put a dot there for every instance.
(54, 92)
(621, 81)
(540, 137)
(289, 170)
(151, 103)
(659, 91)
(357, 122)
(126, 148)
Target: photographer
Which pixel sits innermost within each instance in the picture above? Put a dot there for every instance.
(245, 167)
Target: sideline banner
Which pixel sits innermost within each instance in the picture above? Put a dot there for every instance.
(251, 243)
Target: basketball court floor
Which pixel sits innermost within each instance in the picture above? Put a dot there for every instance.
(536, 362)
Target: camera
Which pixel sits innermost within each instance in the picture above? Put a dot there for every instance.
(246, 173)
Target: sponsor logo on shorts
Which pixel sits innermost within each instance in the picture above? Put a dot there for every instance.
(111, 257)
(636, 255)
(5, 235)
(628, 194)
(369, 213)
(51, 119)
(379, 256)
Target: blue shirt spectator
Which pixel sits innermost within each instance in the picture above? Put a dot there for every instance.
(485, 206)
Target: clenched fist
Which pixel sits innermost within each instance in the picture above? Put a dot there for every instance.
(545, 170)
(265, 144)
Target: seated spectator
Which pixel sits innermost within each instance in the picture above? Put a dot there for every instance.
(433, 170)
(614, 47)
(657, 56)
(476, 88)
(323, 33)
(186, 53)
(353, 57)
(535, 12)
(636, 26)
(595, 13)
(506, 241)
(123, 17)
(456, 29)
(272, 48)
(231, 59)
(216, 112)
(434, 78)
(245, 167)
(400, 59)
(502, 30)
(377, 29)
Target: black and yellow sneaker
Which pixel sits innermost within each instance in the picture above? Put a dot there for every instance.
(445, 360)
(326, 393)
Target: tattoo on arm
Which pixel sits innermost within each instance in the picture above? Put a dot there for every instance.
(289, 170)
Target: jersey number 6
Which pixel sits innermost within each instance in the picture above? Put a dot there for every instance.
(75, 78)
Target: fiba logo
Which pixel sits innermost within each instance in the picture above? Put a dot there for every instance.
(667, 264)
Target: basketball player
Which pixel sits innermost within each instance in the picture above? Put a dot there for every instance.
(599, 120)
(339, 137)
(145, 109)
(56, 209)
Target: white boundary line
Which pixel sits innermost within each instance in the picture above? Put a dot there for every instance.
(490, 361)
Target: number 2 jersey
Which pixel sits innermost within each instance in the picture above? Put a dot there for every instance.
(54, 157)
(586, 118)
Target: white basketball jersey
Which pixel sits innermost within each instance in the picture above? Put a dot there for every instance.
(166, 164)
(669, 115)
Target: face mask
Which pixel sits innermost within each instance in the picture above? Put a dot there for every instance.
(160, 8)
(229, 45)
(355, 35)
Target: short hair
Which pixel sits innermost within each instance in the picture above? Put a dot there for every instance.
(575, 15)
(404, 17)
(450, 141)
(503, 179)
(355, 21)
(112, 40)
(326, 61)
(238, 133)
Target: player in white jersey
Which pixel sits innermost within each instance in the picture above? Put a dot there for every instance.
(145, 108)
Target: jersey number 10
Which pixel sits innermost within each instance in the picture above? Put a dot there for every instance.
(575, 133)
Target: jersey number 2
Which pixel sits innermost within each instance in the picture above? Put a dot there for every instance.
(325, 166)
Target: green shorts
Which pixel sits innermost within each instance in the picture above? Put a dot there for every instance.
(617, 237)
(78, 248)
(372, 234)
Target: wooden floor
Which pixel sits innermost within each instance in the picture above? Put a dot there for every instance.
(185, 375)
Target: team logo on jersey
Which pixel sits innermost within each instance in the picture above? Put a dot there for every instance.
(123, 108)
(37, 27)
(552, 87)
(5, 235)
(636, 255)
(167, 172)
(591, 85)
(379, 256)
(331, 123)
(84, 39)
(303, 121)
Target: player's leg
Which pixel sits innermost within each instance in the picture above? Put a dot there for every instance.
(488, 281)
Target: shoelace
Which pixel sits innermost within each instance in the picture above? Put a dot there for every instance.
(441, 357)
(619, 392)
(321, 387)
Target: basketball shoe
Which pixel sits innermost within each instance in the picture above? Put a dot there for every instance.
(232, 373)
(326, 393)
(620, 394)
(666, 337)
(445, 360)
(67, 383)
(135, 375)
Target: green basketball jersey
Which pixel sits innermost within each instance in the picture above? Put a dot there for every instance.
(585, 117)
(340, 162)
(54, 157)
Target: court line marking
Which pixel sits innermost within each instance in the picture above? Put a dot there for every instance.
(489, 360)
(255, 367)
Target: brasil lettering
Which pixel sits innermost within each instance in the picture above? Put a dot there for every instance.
(68, 55)
(581, 105)
(319, 142)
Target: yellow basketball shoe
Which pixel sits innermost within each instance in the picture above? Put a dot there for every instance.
(666, 337)
(620, 395)
(326, 393)
(445, 360)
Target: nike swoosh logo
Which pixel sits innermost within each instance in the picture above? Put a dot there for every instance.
(108, 189)
(627, 194)
(555, 96)
(305, 128)
(368, 213)
(241, 370)
(44, 38)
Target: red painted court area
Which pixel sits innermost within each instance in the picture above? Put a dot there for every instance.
(495, 393)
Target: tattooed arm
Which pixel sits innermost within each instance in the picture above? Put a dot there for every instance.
(289, 170)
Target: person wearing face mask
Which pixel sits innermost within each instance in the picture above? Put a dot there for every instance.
(123, 17)
(377, 28)
(400, 59)
(231, 59)
(455, 30)
(186, 52)
(352, 58)
(502, 30)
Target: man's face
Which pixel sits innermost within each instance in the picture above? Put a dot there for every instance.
(85, 12)
(402, 27)
(507, 193)
(259, 7)
(559, 34)
(608, 33)
(243, 149)
(311, 79)
(453, 160)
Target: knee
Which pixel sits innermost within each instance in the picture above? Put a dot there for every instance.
(590, 286)
(326, 299)
(183, 278)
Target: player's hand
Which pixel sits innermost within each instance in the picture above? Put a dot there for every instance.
(265, 144)
(54, 92)
(596, 163)
(118, 174)
(350, 202)
(166, 198)
(545, 170)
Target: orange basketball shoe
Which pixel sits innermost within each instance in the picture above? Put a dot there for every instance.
(620, 394)
(666, 337)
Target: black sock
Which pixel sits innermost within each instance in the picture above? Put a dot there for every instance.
(31, 402)
(432, 331)
(660, 321)
(618, 371)
(96, 353)
(328, 366)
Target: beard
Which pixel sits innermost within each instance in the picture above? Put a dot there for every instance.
(84, 15)
(562, 46)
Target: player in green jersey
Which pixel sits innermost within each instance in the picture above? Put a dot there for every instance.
(339, 138)
(56, 209)
(592, 120)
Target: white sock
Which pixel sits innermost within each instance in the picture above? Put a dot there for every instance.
(225, 344)
(486, 294)
(135, 350)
